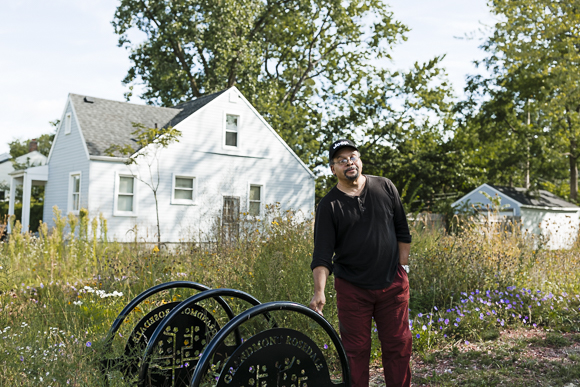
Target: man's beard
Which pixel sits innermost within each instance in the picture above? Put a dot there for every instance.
(353, 177)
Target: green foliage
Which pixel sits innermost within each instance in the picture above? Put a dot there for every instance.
(288, 58)
(81, 280)
(531, 101)
(36, 211)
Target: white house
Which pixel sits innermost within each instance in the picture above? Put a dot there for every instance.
(32, 158)
(228, 161)
(541, 212)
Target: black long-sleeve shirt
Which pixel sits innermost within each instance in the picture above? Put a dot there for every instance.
(356, 236)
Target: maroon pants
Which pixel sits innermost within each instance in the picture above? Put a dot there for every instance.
(390, 309)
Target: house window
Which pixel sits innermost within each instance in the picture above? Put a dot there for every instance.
(126, 193)
(67, 123)
(125, 196)
(232, 126)
(184, 191)
(2, 195)
(255, 200)
(75, 193)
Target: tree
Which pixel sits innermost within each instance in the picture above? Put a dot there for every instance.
(534, 57)
(405, 124)
(288, 57)
(147, 144)
(20, 147)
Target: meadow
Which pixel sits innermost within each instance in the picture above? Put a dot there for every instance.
(61, 291)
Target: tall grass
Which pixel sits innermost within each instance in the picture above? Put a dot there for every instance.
(53, 314)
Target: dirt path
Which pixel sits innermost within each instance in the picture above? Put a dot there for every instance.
(516, 358)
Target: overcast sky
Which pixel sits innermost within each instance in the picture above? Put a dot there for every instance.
(51, 48)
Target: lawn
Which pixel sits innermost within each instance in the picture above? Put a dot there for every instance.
(489, 305)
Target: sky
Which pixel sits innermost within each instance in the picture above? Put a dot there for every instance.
(51, 48)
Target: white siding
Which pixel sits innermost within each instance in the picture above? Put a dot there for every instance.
(260, 158)
(68, 154)
(559, 227)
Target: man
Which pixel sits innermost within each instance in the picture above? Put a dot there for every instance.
(361, 234)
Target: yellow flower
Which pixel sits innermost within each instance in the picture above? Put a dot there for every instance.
(155, 249)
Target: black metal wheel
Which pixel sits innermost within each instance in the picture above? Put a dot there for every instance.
(277, 356)
(178, 341)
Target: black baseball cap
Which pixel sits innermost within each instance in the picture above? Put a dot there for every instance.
(339, 144)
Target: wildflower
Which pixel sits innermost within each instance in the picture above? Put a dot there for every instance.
(325, 346)
(466, 342)
(420, 315)
(446, 321)
(535, 325)
(424, 328)
(435, 308)
(418, 335)
(21, 358)
(89, 344)
(458, 319)
(456, 324)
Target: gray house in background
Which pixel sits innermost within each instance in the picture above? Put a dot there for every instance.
(541, 212)
(227, 163)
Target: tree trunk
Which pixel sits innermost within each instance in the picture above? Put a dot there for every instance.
(158, 227)
(573, 170)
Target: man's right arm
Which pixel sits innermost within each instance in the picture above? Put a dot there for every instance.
(324, 241)
(320, 274)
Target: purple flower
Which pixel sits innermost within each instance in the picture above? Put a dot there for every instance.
(21, 358)
(325, 346)
(458, 319)
(466, 342)
(420, 315)
(435, 308)
(89, 344)
(424, 328)
(446, 321)
(456, 324)
(418, 335)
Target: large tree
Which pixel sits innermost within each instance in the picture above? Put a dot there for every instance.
(286, 56)
(534, 90)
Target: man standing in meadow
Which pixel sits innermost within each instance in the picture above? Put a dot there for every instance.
(362, 236)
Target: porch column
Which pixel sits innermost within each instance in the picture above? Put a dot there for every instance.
(26, 191)
(11, 201)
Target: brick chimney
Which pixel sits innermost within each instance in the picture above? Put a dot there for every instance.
(33, 145)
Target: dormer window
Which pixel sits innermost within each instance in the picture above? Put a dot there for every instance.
(232, 129)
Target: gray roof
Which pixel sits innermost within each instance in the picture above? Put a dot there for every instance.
(4, 157)
(105, 122)
(539, 198)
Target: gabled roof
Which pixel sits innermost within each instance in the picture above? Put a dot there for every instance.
(105, 122)
(539, 198)
(4, 157)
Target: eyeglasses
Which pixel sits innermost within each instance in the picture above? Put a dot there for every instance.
(344, 161)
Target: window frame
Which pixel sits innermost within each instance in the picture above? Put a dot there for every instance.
(70, 201)
(261, 201)
(116, 211)
(187, 202)
(239, 130)
(67, 123)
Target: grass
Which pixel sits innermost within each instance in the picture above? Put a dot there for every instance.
(62, 290)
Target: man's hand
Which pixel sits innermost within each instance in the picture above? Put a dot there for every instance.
(320, 274)
(317, 303)
(404, 250)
